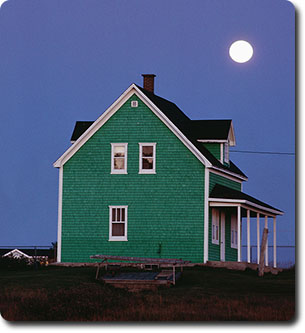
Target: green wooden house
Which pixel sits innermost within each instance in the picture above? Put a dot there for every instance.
(144, 180)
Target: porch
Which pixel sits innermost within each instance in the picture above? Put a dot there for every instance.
(242, 206)
(242, 266)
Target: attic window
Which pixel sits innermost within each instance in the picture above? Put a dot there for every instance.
(134, 104)
(226, 153)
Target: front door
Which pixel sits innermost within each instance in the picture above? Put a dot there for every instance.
(222, 236)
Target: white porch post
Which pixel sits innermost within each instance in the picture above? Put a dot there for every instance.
(238, 234)
(266, 251)
(248, 235)
(274, 241)
(206, 216)
(258, 242)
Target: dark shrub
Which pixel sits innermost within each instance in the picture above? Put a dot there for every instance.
(13, 263)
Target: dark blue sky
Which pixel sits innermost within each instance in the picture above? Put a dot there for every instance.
(63, 61)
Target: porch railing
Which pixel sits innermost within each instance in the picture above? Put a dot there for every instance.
(285, 255)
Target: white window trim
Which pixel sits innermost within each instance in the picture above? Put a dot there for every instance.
(147, 171)
(226, 152)
(118, 238)
(215, 223)
(118, 171)
(134, 104)
(233, 231)
(221, 153)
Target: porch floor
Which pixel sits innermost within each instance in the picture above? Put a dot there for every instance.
(241, 266)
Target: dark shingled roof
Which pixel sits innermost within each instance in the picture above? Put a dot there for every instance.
(80, 128)
(198, 129)
(192, 129)
(223, 192)
(211, 129)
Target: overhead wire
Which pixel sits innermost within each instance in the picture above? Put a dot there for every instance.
(262, 152)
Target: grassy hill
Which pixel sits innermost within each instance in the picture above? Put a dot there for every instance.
(202, 294)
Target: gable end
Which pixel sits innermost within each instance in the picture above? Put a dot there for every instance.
(133, 89)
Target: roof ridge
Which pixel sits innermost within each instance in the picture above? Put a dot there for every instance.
(180, 120)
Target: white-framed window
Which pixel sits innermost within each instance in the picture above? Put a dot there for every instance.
(118, 223)
(215, 226)
(233, 231)
(147, 157)
(226, 152)
(119, 158)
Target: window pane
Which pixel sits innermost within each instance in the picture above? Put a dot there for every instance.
(226, 152)
(147, 163)
(119, 163)
(119, 151)
(147, 151)
(118, 229)
(113, 214)
(123, 215)
(118, 216)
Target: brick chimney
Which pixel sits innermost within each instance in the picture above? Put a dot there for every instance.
(148, 82)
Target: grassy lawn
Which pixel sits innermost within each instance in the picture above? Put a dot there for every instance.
(202, 294)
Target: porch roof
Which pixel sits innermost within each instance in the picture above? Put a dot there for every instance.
(225, 196)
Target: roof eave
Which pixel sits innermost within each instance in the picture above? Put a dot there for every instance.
(87, 134)
(247, 203)
(231, 135)
(212, 140)
(174, 129)
(233, 174)
(112, 109)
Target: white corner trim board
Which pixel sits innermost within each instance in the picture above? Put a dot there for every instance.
(59, 226)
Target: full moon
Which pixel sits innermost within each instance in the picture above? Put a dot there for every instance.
(241, 51)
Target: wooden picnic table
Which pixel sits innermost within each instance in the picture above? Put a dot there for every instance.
(156, 261)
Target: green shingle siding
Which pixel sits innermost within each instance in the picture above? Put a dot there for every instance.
(214, 250)
(231, 253)
(213, 148)
(217, 179)
(165, 208)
